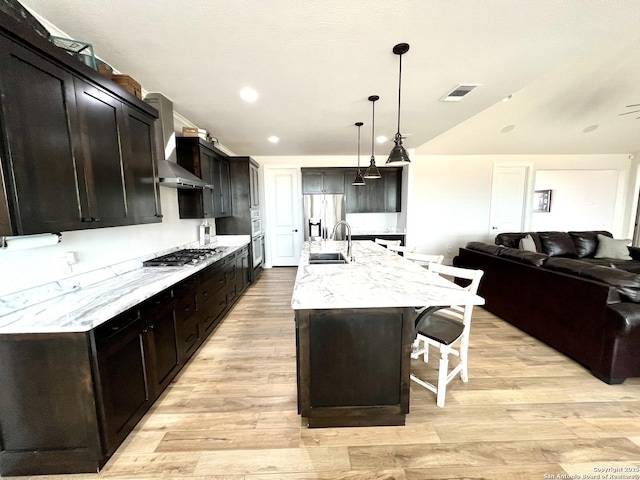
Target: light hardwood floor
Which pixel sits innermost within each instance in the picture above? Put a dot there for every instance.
(526, 412)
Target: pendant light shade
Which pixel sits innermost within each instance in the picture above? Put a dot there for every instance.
(373, 172)
(358, 181)
(399, 155)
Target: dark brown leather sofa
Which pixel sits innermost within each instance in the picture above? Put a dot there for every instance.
(586, 308)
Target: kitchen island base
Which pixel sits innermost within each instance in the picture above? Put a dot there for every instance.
(353, 366)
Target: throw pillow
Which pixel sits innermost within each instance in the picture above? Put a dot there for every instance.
(612, 248)
(527, 243)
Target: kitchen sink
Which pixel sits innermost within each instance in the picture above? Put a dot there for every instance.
(326, 258)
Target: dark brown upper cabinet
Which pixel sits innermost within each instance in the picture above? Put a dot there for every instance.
(245, 187)
(212, 166)
(100, 115)
(254, 185)
(377, 195)
(319, 180)
(72, 155)
(140, 167)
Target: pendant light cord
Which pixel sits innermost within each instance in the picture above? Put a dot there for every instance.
(373, 125)
(358, 148)
(399, 90)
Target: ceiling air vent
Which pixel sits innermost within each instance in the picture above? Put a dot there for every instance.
(459, 92)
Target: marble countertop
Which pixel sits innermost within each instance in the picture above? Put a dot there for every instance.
(87, 307)
(377, 278)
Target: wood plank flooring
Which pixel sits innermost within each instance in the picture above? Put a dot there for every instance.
(527, 412)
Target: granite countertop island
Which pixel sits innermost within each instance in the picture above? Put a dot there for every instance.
(85, 308)
(376, 278)
(355, 329)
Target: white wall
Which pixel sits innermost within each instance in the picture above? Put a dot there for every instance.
(22, 269)
(583, 199)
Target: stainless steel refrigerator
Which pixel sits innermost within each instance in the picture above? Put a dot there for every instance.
(321, 213)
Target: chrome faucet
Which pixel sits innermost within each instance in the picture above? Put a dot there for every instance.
(349, 243)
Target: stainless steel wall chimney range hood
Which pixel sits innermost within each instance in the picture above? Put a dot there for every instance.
(169, 172)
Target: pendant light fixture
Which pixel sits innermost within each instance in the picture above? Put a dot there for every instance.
(399, 155)
(358, 181)
(372, 171)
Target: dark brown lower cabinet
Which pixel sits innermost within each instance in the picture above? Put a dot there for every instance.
(212, 295)
(121, 380)
(188, 329)
(242, 270)
(161, 342)
(47, 405)
(220, 285)
(68, 400)
(353, 366)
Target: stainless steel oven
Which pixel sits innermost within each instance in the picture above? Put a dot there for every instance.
(258, 251)
(256, 223)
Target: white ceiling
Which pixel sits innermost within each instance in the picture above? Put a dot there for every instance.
(569, 64)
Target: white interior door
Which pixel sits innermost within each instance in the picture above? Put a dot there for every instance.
(510, 192)
(284, 224)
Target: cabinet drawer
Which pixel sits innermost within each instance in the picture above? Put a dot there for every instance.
(213, 311)
(185, 298)
(210, 281)
(188, 337)
(210, 288)
(113, 330)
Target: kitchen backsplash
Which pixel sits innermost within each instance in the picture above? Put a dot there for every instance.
(372, 223)
(40, 293)
(95, 249)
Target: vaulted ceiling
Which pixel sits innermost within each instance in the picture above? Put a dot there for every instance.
(571, 68)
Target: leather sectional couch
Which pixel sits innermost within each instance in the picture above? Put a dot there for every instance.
(585, 307)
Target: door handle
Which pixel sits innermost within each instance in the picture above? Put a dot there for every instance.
(294, 230)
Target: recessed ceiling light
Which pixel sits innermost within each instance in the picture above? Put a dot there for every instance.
(248, 94)
(381, 139)
(273, 139)
(508, 128)
(590, 128)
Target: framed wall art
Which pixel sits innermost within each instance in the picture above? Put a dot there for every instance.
(542, 201)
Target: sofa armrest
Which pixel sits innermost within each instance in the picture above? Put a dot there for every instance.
(634, 252)
(626, 319)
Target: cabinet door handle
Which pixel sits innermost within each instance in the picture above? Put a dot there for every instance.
(87, 219)
(95, 219)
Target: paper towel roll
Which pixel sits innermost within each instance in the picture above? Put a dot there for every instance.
(30, 241)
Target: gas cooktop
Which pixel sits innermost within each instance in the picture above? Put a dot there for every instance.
(180, 258)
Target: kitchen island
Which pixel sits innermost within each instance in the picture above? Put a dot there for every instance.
(354, 332)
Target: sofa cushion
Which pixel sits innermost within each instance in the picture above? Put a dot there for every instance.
(557, 244)
(527, 243)
(512, 240)
(632, 266)
(523, 256)
(627, 284)
(572, 266)
(612, 248)
(484, 247)
(586, 243)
